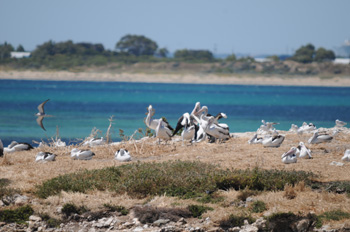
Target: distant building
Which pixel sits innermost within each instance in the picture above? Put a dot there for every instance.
(19, 55)
(342, 61)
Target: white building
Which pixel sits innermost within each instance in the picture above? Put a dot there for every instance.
(19, 55)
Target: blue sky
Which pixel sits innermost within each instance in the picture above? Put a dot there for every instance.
(223, 26)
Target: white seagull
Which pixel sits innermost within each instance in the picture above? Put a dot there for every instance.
(81, 154)
(95, 142)
(320, 138)
(45, 156)
(306, 128)
(15, 146)
(41, 114)
(267, 127)
(122, 155)
(346, 156)
(163, 131)
(289, 156)
(339, 123)
(303, 151)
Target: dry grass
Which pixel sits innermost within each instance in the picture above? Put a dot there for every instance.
(24, 173)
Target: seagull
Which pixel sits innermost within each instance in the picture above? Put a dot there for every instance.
(320, 138)
(293, 128)
(122, 155)
(289, 156)
(255, 140)
(59, 143)
(1, 149)
(273, 141)
(267, 126)
(41, 114)
(81, 154)
(45, 156)
(303, 151)
(15, 146)
(346, 156)
(163, 131)
(339, 123)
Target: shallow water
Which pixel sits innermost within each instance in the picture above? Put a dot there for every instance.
(79, 106)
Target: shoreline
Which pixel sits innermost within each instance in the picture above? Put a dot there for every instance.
(245, 79)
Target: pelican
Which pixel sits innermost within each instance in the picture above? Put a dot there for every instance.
(188, 131)
(255, 139)
(215, 130)
(289, 156)
(267, 126)
(81, 154)
(41, 114)
(45, 156)
(306, 128)
(320, 138)
(303, 151)
(122, 155)
(15, 146)
(197, 110)
(163, 131)
(339, 123)
(153, 123)
(182, 121)
(346, 156)
(273, 141)
(199, 134)
(1, 149)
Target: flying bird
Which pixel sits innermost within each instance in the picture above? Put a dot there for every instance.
(41, 114)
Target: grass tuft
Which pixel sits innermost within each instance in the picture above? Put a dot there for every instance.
(148, 214)
(69, 209)
(258, 207)
(117, 208)
(19, 215)
(198, 210)
(234, 221)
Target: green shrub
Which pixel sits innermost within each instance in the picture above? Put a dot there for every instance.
(4, 190)
(258, 207)
(69, 209)
(117, 208)
(19, 215)
(335, 215)
(198, 210)
(234, 221)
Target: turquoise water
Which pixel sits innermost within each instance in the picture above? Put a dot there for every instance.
(78, 107)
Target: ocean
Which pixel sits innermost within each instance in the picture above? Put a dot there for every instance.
(78, 107)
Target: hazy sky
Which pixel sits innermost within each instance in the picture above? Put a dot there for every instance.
(221, 26)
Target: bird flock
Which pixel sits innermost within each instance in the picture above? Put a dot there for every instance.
(194, 127)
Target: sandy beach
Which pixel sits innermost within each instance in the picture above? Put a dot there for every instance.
(177, 78)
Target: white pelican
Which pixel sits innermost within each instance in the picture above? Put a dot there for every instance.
(41, 114)
(182, 121)
(255, 140)
(163, 131)
(320, 138)
(188, 131)
(346, 156)
(81, 154)
(273, 141)
(215, 130)
(303, 151)
(14, 146)
(199, 134)
(197, 110)
(45, 156)
(289, 156)
(339, 123)
(1, 149)
(306, 128)
(153, 123)
(122, 155)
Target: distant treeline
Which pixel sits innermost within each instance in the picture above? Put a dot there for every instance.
(130, 49)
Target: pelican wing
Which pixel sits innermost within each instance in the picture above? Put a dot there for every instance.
(41, 107)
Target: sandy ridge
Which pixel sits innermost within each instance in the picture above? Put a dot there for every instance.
(176, 78)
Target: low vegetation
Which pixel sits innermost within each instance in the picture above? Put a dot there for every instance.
(182, 179)
(19, 215)
(235, 220)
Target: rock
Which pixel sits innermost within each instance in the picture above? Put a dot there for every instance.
(137, 229)
(260, 223)
(108, 222)
(181, 221)
(21, 200)
(303, 225)
(249, 199)
(235, 229)
(160, 222)
(35, 218)
(1, 203)
(338, 164)
(249, 228)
